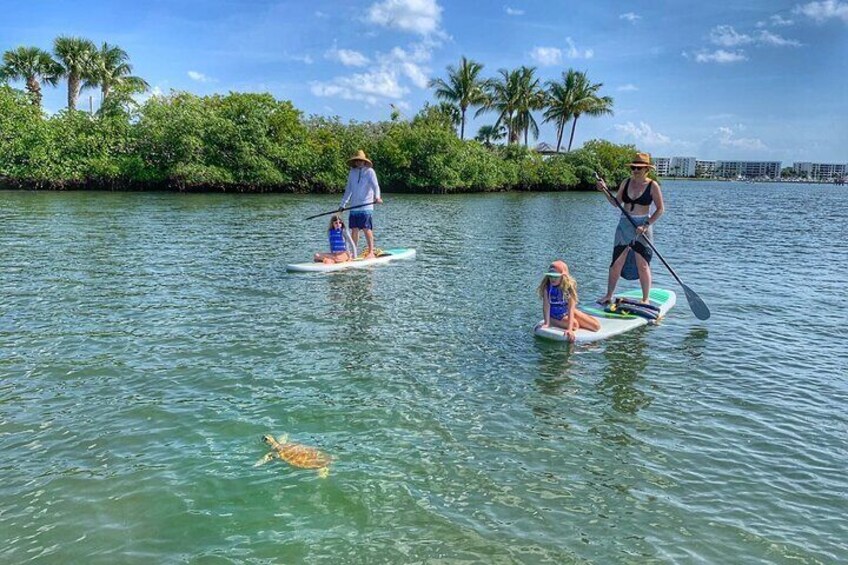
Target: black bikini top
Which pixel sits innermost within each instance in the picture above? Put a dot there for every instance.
(645, 199)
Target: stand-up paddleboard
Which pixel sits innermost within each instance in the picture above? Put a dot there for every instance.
(386, 256)
(613, 323)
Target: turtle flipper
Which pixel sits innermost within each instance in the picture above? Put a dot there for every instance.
(268, 457)
(323, 472)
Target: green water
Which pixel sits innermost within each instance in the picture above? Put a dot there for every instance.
(147, 341)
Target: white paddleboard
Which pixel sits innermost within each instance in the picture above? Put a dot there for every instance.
(387, 256)
(612, 323)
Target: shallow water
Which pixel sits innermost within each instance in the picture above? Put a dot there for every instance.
(147, 341)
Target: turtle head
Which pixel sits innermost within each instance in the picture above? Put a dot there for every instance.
(269, 439)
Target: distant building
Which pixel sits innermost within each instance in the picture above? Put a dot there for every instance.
(747, 169)
(820, 171)
(548, 150)
(662, 164)
(682, 167)
(705, 169)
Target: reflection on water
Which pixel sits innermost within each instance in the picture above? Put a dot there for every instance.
(695, 342)
(625, 366)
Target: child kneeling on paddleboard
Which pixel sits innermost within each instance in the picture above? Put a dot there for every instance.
(558, 291)
(339, 242)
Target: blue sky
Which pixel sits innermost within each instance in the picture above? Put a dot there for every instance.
(715, 80)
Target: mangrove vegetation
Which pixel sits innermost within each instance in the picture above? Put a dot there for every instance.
(251, 142)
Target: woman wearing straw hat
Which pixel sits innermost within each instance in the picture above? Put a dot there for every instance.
(631, 258)
(363, 190)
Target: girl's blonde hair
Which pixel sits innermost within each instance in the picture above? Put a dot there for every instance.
(569, 285)
(333, 219)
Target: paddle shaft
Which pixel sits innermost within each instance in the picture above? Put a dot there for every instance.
(340, 210)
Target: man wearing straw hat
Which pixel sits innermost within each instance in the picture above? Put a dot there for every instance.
(362, 190)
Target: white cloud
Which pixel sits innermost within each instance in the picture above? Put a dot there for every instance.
(416, 16)
(546, 56)
(720, 56)
(306, 59)
(768, 38)
(575, 53)
(199, 77)
(347, 57)
(726, 36)
(821, 11)
(630, 17)
(643, 133)
(387, 78)
(779, 21)
(727, 138)
(513, 11)
(627, 88)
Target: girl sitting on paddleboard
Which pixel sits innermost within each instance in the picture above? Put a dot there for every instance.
(339, 241)
(558, 291)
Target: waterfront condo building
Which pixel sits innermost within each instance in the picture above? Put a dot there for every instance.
(682, 166)
(662, 164)
(820, 171)
(705, 169)
(748, 170)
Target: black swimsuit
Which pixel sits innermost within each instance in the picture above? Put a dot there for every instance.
(645, 199)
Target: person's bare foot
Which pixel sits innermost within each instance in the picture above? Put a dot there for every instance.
(371, 256)
(605, 300)
(327, 261)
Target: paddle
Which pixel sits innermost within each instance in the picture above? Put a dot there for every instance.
(339, 210)
(695, 303)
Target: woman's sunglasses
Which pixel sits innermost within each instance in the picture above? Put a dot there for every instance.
(634, 169)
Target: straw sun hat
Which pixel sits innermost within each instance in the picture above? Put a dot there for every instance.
(360, 156)
(642, 160)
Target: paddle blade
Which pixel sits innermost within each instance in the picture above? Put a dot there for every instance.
(696, 304)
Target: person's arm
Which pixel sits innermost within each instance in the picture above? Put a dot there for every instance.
(348, 192)
(375, 183)
(572, 305)
(600, 185)
(349, 242)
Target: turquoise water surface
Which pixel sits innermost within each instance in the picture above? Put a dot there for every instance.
(147, 341)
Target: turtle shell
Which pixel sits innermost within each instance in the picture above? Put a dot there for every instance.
(303, 456)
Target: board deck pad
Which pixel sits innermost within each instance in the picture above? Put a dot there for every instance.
(387, 256)
(613, 323)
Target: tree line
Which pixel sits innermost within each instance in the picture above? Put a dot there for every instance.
(255, 143)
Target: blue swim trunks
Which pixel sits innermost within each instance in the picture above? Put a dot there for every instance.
(360, 219)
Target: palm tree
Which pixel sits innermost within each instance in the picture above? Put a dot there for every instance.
(530, 97)
(111, 68)
(585, 100)
(32, 65)
(462, 88)
(560, 104)
(76, 55)
(504, 97)
(487, 135)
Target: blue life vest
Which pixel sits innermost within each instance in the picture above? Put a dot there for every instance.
(559, 304)
(337, 241)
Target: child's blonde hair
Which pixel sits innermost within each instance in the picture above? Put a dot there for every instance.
(569, 285)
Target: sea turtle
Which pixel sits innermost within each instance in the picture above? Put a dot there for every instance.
(296, 455)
